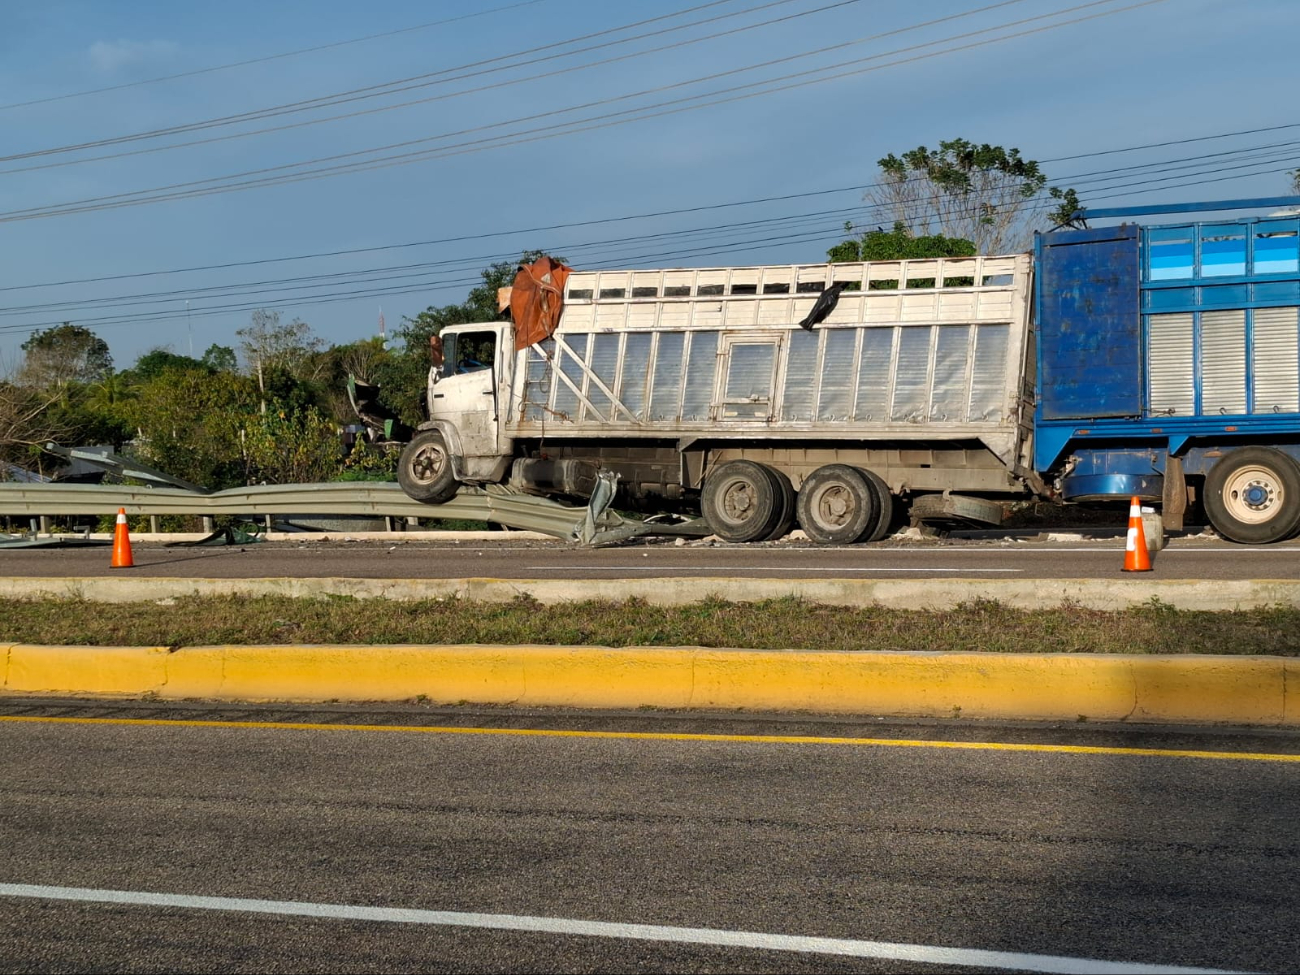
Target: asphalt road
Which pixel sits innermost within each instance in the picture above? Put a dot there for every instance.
(1100, 556)
(1158, 859)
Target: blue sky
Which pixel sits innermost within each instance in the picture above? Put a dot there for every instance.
(1171, 70)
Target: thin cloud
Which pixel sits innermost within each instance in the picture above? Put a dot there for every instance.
(111, 56)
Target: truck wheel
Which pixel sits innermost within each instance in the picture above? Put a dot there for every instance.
(1253, 496)
(424, 469)
(786, 512)
(837, 505)
(741, 501)
(885, 503)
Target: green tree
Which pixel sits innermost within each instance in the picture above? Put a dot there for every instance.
(896, 245)
(292, 447)
(980, 193)
(153, 362)
(1295, 181)
(65, 354)
(190, 424)
(269, 346)
(220, 358)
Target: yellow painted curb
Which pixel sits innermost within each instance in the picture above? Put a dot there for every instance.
(1206, 689)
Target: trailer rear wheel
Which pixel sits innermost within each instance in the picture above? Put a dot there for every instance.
(742, 501)
(1253, 496)
(424, 469)
(885, 503)
(838, 505)
(786, 517)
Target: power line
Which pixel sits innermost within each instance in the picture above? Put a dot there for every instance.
(1078, 178)
(386, 87)
(490, 87)
(196, 188)
(731, 246)
(268, 57)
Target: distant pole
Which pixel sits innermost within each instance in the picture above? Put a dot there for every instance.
(383, 337)
(189, 328)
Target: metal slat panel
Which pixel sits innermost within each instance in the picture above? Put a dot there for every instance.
(912, 375)
(882, 308)
(988, 378)
(666, 391)
(738, 314)
(640, 314)
(1223, 361)
(604, 365)
(922, 307)
(874, 373)
(748, 393)
(700, 374)
(836, 400)
(952, 347)
(1169, 365)
(800, 376)
(566, 400)
(1277, 378)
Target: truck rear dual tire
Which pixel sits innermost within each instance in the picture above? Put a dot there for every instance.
(747, 502)
(424, 469)
(841, 505)
(1252, 496)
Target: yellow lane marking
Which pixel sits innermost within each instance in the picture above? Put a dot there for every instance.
(675, 736)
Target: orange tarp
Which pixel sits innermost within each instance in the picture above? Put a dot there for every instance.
(536, 299)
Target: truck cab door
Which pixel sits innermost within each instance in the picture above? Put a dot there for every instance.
(467, 394)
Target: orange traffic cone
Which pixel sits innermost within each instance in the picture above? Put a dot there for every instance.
(121, 543)
(1136, 556)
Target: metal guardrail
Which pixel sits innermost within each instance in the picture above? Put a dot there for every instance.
(375, 499)
(353, 498)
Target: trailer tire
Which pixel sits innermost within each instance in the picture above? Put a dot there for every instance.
(884, 501)
(838, 505)
(1252, 496)
(741, 501)
(424, 469)
(786, 516)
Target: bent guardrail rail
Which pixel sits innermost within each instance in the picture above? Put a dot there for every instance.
(377, 499)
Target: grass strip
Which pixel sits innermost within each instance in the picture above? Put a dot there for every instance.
(790, 623)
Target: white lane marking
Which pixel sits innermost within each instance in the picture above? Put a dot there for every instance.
(929, 954)
(760, 568)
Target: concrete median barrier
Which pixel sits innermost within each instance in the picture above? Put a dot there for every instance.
(1259, 691)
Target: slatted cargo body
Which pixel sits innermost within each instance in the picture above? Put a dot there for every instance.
(928, 350)
(1221, 313)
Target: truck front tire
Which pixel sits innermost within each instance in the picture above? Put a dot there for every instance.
(1253, 496)
(838, 505)
(742, 501)
(424, 469)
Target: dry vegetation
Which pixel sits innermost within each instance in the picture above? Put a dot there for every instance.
(1155, 628)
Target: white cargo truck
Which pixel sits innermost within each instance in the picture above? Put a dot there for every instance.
(701, 387)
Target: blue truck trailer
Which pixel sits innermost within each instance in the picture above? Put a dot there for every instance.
(1168, 365)
(1158, 360)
